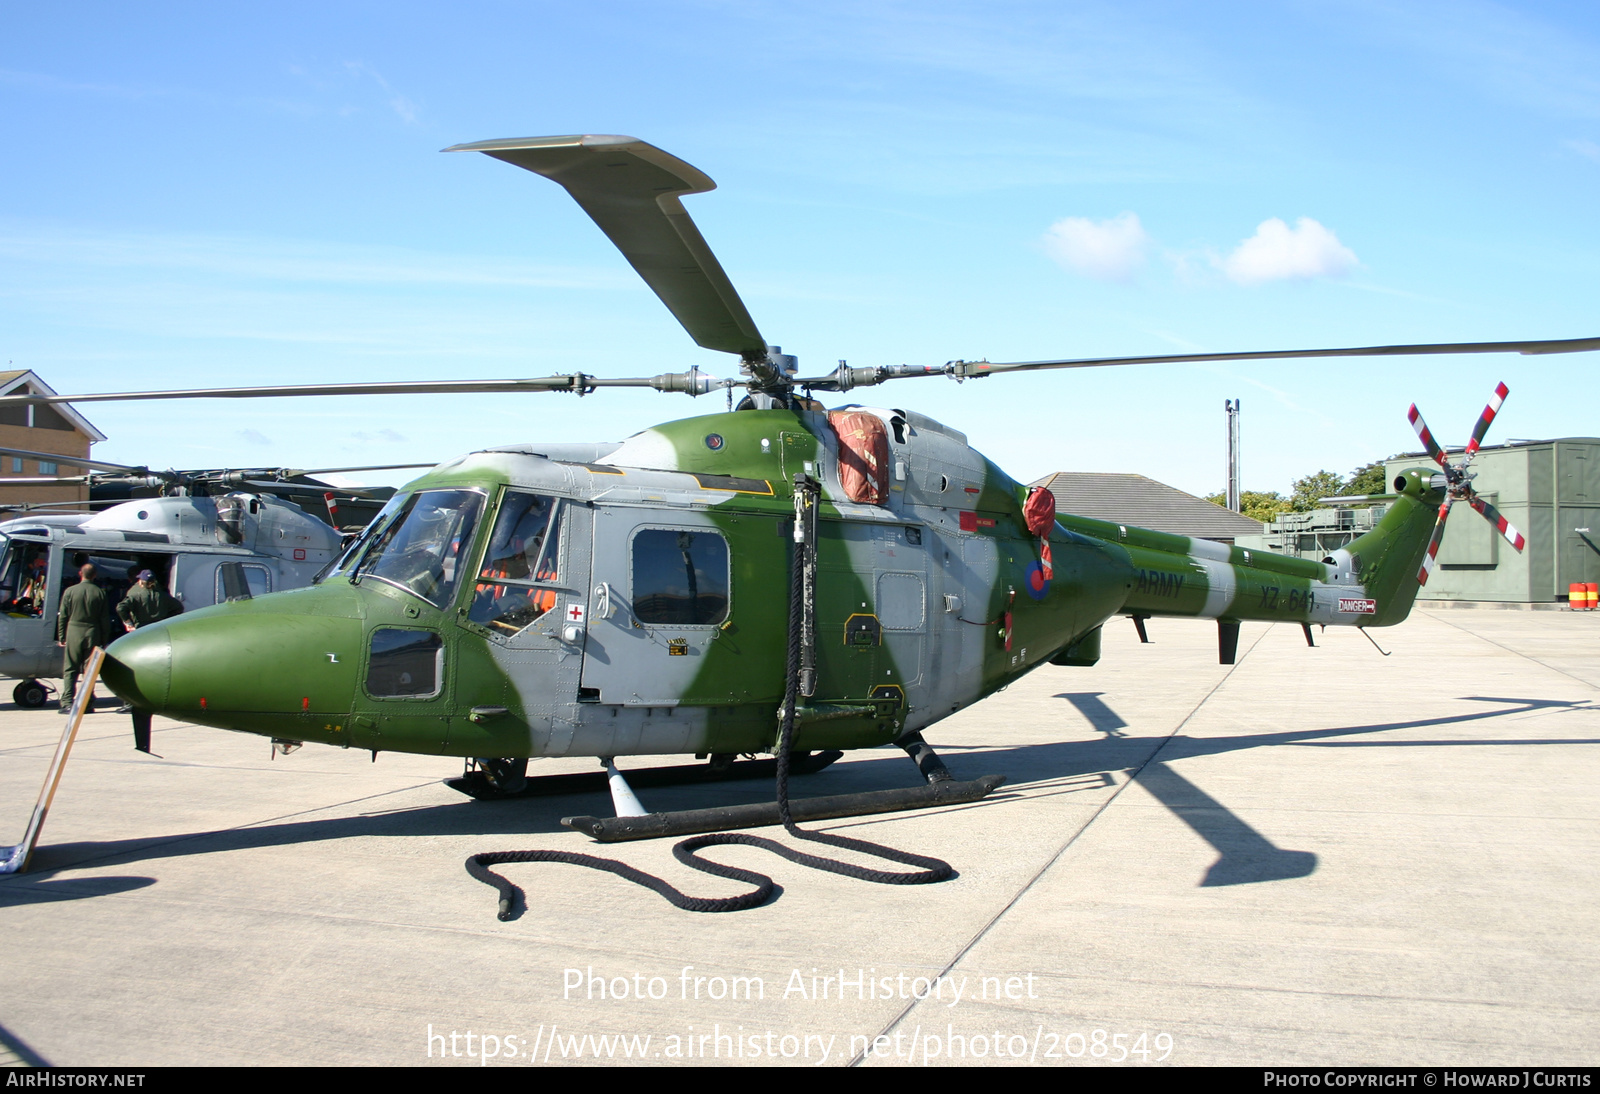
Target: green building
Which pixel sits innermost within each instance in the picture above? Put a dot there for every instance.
(1550, 492)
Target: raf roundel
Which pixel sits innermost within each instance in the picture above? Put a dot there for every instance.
(714, 441)
(1035, 582)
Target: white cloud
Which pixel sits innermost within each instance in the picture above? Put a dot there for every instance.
(1110, 250)
(402, 106)
(1278, 252)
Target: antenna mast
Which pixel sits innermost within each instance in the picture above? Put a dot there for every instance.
(1232, 407)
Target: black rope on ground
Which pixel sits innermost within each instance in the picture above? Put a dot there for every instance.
(929, 869)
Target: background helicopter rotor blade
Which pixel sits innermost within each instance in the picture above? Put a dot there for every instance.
(309, 490)
(631, 190)
(693, 382)
(69, 480)
(74, 461)
(292, 472)
(31, 506)
(846, 378)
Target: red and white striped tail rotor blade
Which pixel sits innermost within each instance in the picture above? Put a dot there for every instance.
(1433, 544)
(1482, 427)
(1492, 515)
(1427, 437)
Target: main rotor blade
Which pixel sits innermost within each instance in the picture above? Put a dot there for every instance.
(70, 480)
(30, 506)
(846, 377)
(1565, 345)
(1414, 416)
(73, 461)
(631, 190)
(291, 472)
(692, 382)
(304, 490)
(1492, 515)
(1433, 543)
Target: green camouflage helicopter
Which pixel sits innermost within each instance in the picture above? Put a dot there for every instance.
(634, 598)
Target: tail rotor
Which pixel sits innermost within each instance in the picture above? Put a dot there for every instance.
(1458, 481)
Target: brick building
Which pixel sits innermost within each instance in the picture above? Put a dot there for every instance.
(58, 430)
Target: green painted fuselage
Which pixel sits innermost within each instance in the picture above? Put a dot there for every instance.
(650, 613)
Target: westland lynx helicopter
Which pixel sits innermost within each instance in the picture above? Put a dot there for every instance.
(855, 574)
(207, 536)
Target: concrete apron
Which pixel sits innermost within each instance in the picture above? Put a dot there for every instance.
(1318, 856)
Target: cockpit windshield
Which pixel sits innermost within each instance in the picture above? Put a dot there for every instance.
(423, 546)
(347, 559)
(23, 569)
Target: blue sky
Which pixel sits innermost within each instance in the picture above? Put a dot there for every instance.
(201, 194)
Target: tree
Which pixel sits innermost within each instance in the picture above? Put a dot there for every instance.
(1265, 506)
(1313, 488)
(1370, 479)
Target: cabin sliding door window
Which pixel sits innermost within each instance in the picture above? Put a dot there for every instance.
(680, 577)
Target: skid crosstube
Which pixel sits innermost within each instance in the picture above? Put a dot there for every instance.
(723, 818)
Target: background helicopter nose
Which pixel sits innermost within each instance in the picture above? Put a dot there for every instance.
(138, 668)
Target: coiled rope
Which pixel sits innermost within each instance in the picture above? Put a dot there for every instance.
(929, 869)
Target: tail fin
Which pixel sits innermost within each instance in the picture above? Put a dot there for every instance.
(1387, 559)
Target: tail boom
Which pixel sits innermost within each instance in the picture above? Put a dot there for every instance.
(1370, 583)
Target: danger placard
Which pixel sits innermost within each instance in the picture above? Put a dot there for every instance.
(1357, 606)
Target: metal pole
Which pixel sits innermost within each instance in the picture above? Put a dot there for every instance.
(1232, 407)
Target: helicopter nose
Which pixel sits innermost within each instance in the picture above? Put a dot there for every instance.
(138, 667)
(243, 665)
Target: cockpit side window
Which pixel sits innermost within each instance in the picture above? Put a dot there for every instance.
(521, 564)
(405, 663)
(423, 548)
(22, 578)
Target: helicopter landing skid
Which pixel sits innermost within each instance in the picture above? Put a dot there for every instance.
(477, 785)
(690, 821)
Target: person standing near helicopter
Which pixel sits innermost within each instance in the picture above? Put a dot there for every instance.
(83, 622)
(146, 603)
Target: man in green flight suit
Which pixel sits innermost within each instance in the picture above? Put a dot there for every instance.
(146, 603)
(83, 623)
